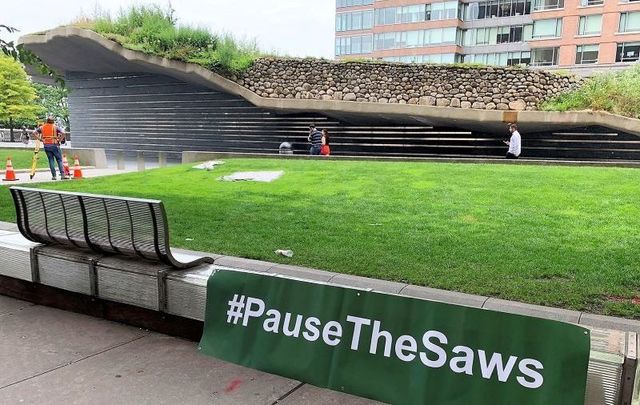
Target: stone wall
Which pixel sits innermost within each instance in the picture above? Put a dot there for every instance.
(488, 88)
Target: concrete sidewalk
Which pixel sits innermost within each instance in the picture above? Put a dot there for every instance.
(45, 177)
(58, 357)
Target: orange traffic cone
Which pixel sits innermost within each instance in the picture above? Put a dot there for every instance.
(65, 165)
(9, 174)
(77, 172)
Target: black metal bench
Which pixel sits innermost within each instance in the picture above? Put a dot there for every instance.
(131, 227)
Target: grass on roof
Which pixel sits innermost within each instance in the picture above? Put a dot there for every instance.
(614, 92)
(558, 236)
(155, 30)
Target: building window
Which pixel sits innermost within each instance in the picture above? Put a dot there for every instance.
(417, 13)
(351, 3)
(384, 16)
(547, 28)
(499, 59)
(586, 54)
(629, 1)
(357, 20)
(539, 5)
(482, 36)
(442, 11)
(629, 22)
(415, 39)
(410, 14)
(587, 3)
(503, 35)
(544, 56)
(590, 25)
(497, 35)
(495, 8)
(628, 52)
(355, 45)
(518, 58)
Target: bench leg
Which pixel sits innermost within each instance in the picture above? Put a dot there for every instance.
(162, 290)
(35, 270)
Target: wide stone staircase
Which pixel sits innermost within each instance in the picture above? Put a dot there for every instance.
(132, 113)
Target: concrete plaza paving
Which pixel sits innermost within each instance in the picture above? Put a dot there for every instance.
(51, 356)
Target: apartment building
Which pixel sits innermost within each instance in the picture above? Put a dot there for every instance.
(584, 36)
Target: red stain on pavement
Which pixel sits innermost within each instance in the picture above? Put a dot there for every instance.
(233, 385)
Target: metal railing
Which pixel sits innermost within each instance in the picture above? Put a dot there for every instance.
(5, 135)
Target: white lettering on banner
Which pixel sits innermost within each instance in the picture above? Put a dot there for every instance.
(296, 329)
(534, 375)
(432, 354)
(252, 313)
(312, 333)
(331, 333)
(375, 338)
(272, 323)
(357, 328)
(406, 342)
(441, 355)
(467, 360)
(496, 363)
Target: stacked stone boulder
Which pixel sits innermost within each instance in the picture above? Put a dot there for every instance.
(477, 87)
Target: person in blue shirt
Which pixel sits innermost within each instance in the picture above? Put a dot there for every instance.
(315, 137)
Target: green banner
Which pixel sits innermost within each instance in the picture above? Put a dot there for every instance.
(391, 348)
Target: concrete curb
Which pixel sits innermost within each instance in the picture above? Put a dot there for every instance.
(8, 226)
(201, 156)
(390, 287)
(432, 294)
(45, 170)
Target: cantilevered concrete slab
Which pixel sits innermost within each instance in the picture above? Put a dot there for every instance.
(70, 49)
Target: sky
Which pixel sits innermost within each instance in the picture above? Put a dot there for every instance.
(287, 27)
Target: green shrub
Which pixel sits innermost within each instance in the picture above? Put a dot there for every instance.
(617, 93)
(198, 38)
(154, 30)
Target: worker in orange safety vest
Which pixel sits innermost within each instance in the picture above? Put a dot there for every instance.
(52, 136)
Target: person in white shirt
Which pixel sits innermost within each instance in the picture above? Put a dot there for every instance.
(515, 143)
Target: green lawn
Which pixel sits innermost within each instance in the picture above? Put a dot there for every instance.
(21, 158)
(556, 236)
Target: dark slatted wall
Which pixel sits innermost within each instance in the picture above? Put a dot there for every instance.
(135, 112)
(143, 112)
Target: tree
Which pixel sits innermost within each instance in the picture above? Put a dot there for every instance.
(53, 99)
(8, 48)
(17, 94)
(19, 53)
